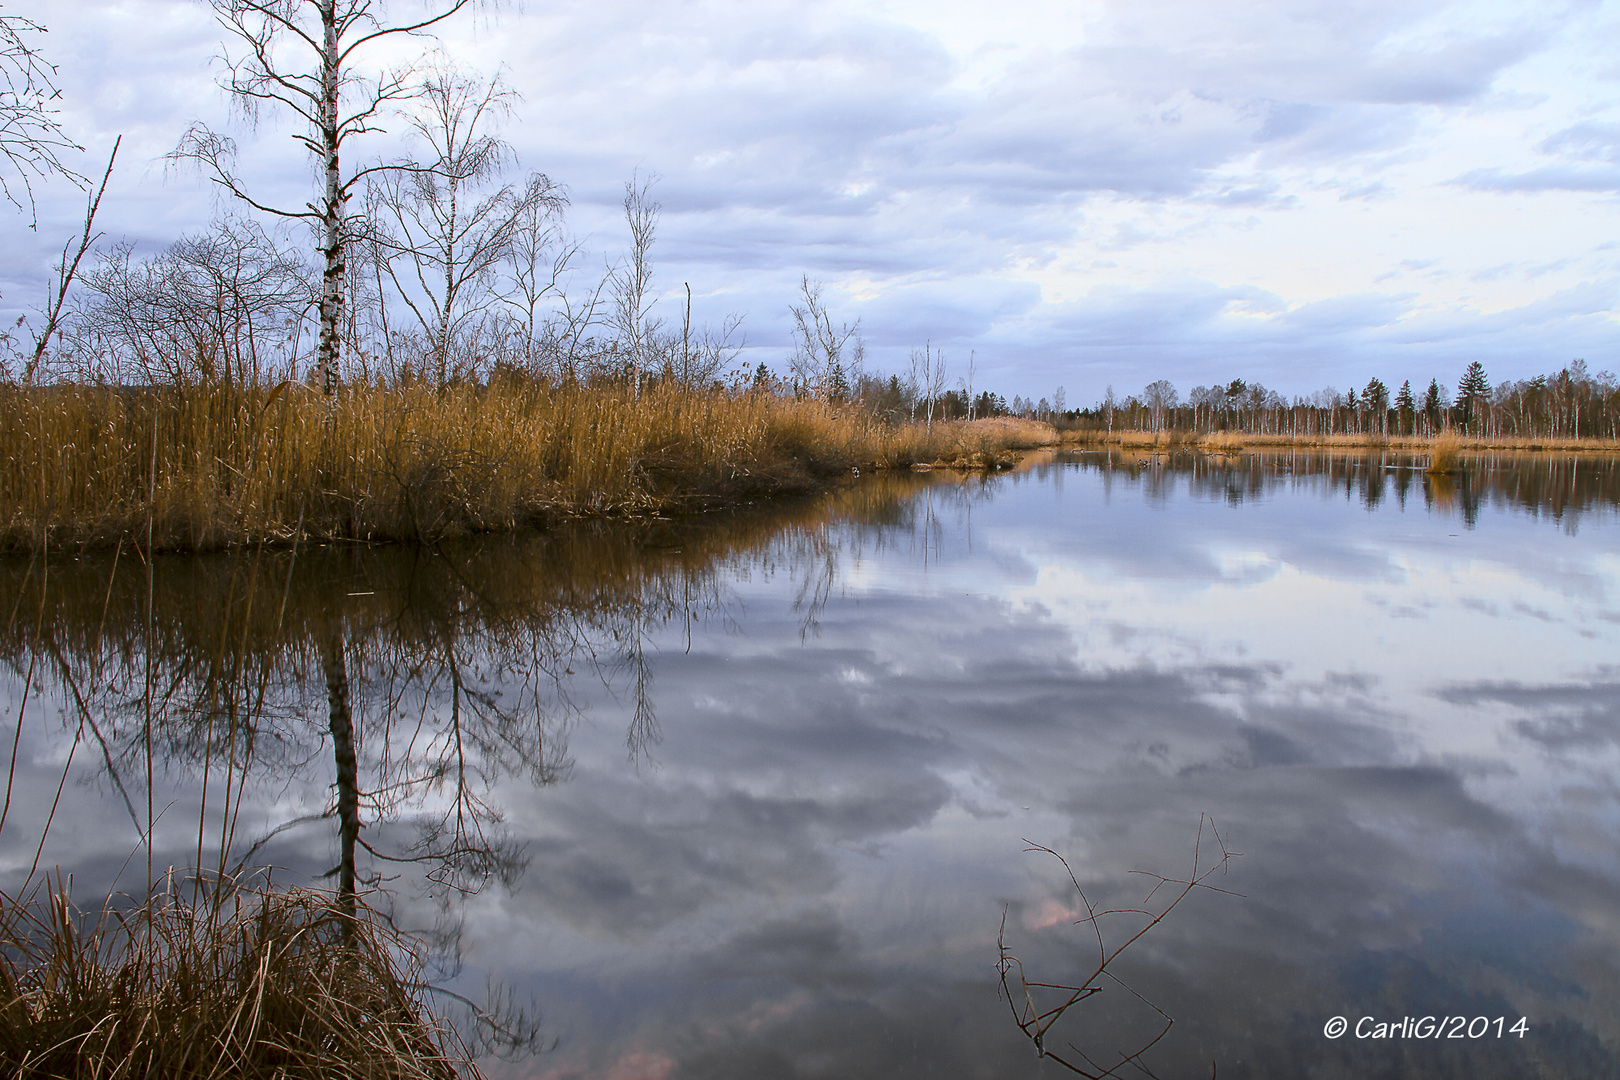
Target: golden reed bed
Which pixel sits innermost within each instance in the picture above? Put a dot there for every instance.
(202, 467)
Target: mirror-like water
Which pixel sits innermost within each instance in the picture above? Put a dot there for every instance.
(750, 797)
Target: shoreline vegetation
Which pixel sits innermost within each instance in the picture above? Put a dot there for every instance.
(196, 467)
(1238, 441)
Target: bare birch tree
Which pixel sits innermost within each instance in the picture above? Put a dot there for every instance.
(928, 375)
(325, 92)
(445, 234)
(539, 314)
(1160, 397)
(632, 280)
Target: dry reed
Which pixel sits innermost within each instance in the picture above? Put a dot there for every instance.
(210, 466)
(1444, 452)
(262, 984)
(1222, 442)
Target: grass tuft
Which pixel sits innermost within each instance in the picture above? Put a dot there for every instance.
(263, 984)
(1445, 453)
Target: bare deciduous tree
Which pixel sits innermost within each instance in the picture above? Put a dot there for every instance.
(826, 360)
(1159, 396)
(327, 94)
(209, 308)
(442, 224)
(701, 356)
(539, 258)
(928, 376)
(632, 280)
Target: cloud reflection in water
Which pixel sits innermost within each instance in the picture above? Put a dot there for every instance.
(1399, 709)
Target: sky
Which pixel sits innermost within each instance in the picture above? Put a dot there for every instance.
(1076, 194)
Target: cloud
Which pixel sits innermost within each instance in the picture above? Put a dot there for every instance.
(1547, 178)
(938, 167)
(1589, 160)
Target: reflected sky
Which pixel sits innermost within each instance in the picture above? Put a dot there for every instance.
(1400, 711)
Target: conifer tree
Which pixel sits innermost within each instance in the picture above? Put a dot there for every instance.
(1473, 393)
(1406, 407)
(1375, 400)
(1434, 405)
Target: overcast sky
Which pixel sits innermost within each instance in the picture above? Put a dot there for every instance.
(1302, 192)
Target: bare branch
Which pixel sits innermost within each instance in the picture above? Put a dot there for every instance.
(68, 268)
(31, 138)
(1037, 1020)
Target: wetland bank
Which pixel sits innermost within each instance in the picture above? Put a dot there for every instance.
(747, 795)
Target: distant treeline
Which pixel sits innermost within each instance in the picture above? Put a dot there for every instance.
(1571, 403)
(1567, 404)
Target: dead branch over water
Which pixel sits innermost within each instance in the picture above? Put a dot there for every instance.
(1039, 1007)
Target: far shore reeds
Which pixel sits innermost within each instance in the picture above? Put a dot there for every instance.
(1229, 441)
(199, 467)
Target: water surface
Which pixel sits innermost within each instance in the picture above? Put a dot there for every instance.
(749, 797)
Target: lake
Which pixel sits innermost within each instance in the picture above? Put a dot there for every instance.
(755, 796)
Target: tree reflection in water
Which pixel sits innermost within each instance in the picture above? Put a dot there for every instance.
(415, 679)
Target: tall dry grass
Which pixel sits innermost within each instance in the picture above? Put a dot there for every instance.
(208, 466)
(264, 984)
(1445, 452)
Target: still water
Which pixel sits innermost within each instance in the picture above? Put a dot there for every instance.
(753, 797)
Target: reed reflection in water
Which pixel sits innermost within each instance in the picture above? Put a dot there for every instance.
(409, 680)
(802, 746)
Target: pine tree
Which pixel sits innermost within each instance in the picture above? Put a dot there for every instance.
(1434, 404)
(1375, 400)
(1473, 393)
(837, 383)
(1406, 407)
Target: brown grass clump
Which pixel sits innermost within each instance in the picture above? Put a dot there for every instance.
(268, 984)
(1222, 442)
(991, 443)
(206, 467)
(1156, 440)
(1444, 453)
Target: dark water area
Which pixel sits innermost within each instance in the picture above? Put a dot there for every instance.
(752, 796)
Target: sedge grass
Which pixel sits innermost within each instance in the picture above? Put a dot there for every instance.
(210, 466)
(257, 984)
